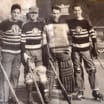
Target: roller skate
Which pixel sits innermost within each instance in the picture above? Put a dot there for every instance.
(46, 98)
(11, 101)
(97, 95)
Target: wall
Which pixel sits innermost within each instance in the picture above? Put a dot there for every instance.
(93, 9)
(5, 6)
(45, 7)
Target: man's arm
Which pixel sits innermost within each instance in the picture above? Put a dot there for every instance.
(23, 43)
(69, 37)
(2, 27)
(45, 55)
(93, 34)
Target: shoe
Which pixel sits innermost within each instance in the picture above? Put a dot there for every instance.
(79, 95)
(46, 98)
(12, 101)
(97, 95)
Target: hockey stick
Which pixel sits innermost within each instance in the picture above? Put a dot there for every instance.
(10, 85)
(33, 73)
(60, 83)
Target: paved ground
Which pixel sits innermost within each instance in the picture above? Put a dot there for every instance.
(58, 100)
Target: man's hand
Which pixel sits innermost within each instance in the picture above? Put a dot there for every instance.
(94, 52)
(26, 57)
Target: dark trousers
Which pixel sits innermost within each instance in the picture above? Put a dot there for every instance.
(77, 56)
(11, 64)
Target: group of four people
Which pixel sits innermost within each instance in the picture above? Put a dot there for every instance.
(67, 44)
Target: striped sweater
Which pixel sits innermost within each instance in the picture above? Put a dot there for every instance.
(33, 35)
(81, 32)
(11, 36)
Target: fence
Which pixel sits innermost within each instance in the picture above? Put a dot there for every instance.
(100, 36)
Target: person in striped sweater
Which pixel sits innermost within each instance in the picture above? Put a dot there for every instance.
(83, 37)
(35, 41)
(11, 40)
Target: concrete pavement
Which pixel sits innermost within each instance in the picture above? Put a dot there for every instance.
(88, 98)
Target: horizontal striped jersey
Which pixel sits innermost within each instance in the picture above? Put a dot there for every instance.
(57, 36)
(11, 36)
(33, 35)
(81, 32)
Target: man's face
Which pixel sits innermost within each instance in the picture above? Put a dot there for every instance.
(33, 15)
(15, 14)
(55, 14)
(77, 11)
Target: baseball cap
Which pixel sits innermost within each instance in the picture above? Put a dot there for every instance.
(33, 9)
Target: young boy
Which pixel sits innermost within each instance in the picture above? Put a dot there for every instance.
(11, 51)
(59, 49)
(33, 31)
(82, 32)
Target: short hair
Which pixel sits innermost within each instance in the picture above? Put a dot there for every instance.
(76, 5)
(56, 7)
(15, 6)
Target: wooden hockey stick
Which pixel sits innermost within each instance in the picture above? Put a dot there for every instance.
(10, 85)
(33, 73)
(68, 98)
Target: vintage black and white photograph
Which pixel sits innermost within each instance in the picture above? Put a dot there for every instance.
(52, 52)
